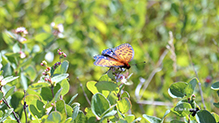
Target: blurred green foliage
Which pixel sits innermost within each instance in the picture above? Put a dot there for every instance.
(92, 26)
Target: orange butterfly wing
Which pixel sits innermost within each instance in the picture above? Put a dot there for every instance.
(105, 61)
(125, 53)
(116, 57)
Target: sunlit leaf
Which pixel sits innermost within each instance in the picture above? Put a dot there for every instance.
(39, 85)
(59, 78)
(190, 87)
(124, 105)
(65, 85)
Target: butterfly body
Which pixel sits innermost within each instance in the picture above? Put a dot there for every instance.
(115, 57)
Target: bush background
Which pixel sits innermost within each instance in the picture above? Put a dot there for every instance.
(91, 26)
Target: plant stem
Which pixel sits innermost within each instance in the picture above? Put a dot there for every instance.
(84, 92)
(4, 100)
(25, 106)
(199, 83)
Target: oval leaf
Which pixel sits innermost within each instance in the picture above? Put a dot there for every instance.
(176, 90)
(55, 116)
(203, 116)
(8, 79)
(99, 104)
(109, 86)
(215, 86)
(91, 87)
(190, 87)
(182, 109)
(59, 78)
(124, 105)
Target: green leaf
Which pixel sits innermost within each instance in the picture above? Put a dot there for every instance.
(31, 72)
(203, 116)
(69, 110)
(46, 93)
(7, 36)
(216, 104)
(215, 116)
(125, 94)
(24, 81)
(176, 90)
(152, 119)
(16, 99)
(112, 97)
(10, 121)
(182, 109)
(27, 62)
(44, 38)
(7, 70)
(39, 85)
(190, 87)
(62, 68)
(215, 86)
(57, 95)
(80, 118)
(91, 87)
(166, 113)
(176, 121)
(68, 120)
(107, 86)
(130, 118)
(75, 112)
(124, 105)
(1, 95)
(8, 79)
(12, 55)
(9, 92)
(70, 102)
(59, 78)
(91, 118)
(65, 86)
(99, 104)
(60, 107)
(104, 77)
(137, 120)
(109, 112)
(8, 112)
(35, 106)
(54, 116)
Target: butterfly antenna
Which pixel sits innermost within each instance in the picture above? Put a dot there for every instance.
(139, 63)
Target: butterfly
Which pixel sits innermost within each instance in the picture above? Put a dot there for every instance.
(119, 56)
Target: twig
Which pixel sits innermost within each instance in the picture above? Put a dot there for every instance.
(4, 100)
(84, 92)
(172, 51)
(25, 106)
(157, 69)
(199, 83)
(154, 103)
